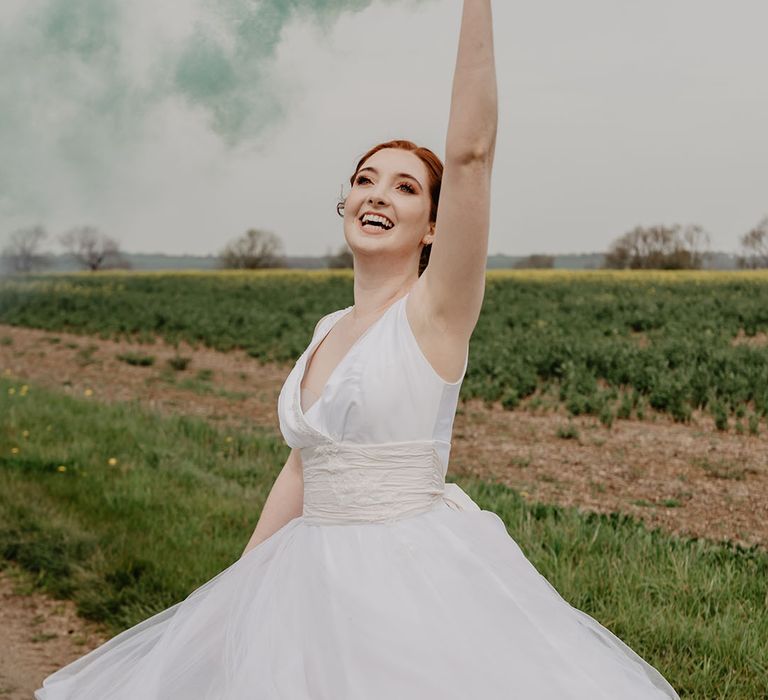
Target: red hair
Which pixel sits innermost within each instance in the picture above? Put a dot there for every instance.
(434, 172)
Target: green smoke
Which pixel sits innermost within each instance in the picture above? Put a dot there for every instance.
(74, 100)
(229, 80)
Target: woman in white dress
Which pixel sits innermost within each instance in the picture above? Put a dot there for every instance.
(367, 576)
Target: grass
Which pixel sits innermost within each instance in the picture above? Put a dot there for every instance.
(179, 363)
(722, 468)
(199, 384)
(109, 505)
(567, 432)
(148, 508)
(136, 358)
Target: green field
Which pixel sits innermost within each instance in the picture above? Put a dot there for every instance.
(126, 513)
(609, 344)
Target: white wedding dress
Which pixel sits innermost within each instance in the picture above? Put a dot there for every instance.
(391, 585)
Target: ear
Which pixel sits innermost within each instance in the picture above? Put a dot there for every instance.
(430, 236)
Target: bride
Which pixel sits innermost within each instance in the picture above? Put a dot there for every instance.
(368, 577)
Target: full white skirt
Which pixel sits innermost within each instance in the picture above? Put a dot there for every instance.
(438, 606)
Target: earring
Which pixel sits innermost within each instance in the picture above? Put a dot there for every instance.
(340, 205)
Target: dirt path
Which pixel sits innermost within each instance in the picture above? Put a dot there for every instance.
(688, 479)
(37, 634)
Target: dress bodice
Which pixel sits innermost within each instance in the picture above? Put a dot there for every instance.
(383, 390)
(384, 398)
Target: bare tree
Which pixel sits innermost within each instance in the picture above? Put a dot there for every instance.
(660, 247)
(92, 249)
(696, 243)
(21, 254)
(535, 261)
(343, 258)
(754, 246)
(254, 249)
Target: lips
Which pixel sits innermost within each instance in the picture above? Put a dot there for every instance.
(378, 215)
(370, 229)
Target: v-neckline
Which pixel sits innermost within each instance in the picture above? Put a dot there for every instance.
(315, 344)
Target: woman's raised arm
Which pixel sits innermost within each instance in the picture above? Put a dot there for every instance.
(455, 277)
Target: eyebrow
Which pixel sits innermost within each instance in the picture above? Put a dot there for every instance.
(376, 172)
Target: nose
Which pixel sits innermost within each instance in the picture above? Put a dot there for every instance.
(377, 195)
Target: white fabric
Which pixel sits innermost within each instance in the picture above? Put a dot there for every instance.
(391, 585)
(383, 390)
(348, 483)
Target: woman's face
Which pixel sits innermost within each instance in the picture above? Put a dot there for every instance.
(389, 203)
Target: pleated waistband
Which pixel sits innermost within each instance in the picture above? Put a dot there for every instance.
(357, 483)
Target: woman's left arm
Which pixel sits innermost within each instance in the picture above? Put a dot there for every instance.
(454, 281)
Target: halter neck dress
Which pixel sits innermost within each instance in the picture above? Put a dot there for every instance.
(391, 585)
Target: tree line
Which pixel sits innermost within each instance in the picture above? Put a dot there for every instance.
(92, 250)
(89, 247)
(673, 247)
(681, 248)
(643, 248)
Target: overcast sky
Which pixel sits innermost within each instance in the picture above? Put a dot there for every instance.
(176, 126)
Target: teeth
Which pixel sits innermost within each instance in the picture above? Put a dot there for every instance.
(374, 218)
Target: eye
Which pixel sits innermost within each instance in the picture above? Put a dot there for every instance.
(361, 179)
(409, 187)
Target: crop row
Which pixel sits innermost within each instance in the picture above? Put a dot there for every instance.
(606, 344)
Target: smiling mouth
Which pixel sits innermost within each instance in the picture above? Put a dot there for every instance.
(375, 222)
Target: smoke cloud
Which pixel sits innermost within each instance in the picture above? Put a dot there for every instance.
(88, 84)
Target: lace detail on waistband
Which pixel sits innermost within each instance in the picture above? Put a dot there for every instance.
(345, 482)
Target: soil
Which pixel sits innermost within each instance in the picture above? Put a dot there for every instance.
(38, 634)
(689, 479)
